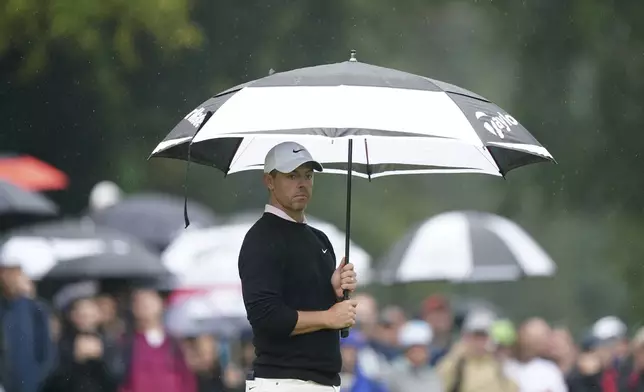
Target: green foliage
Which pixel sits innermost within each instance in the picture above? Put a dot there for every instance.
(92, 29)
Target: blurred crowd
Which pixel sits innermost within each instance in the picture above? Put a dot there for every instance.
(479, 352)
(88, 340)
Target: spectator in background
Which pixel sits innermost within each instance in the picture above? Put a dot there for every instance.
(470, 365)
(611, 334)
(202, 358)
(349, 348)
(378, 329)
(562, 350)
(26, 286)
(531, 371)
(55, 327)
(247, 351)
(413, 372)
(437, 312)
(153, 361)
(26, 349)
(632, 370)
(396, 316)
(504, 336)
(386, 340)
(86, 359)
(111, 324)
(586, 375)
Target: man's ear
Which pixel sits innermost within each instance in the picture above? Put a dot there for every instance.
(268, 181)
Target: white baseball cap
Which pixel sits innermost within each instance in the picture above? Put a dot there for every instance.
(104, 194)
(415, 333)
(478, 321)
(288, 156)
(609, 327)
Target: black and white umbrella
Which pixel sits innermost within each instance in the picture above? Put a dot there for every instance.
(153, 218)
(77, 250)
(18, 206)
(465, 246)
(400, 122)
(359, 119)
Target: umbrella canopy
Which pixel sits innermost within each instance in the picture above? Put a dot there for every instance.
(208, 257)
(219, 311)
(466, 246)
(401, 123)
(154, 218)
(18, 206)
(30, 173)
(78, 249)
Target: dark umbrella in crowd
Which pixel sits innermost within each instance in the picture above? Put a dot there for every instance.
(154, 218)
(18, 206)
(465, 246)
(78, 249)
(358, 119)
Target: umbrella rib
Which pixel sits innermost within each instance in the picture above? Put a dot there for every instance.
(239, 153)
(366, 151)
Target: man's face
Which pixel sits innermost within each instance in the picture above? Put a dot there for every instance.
(561, 344)
(349, 357)
(107, 307)
(440, 319)
(478, 343)
(25, 286)
(292, 190)
(638, 356)
(85, 315)
(147, 305)
(417, 355)
(10, 279)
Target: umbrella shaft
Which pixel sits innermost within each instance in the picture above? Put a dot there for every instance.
(347, 240)
(345, 332)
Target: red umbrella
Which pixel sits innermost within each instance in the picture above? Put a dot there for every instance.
(31, 174)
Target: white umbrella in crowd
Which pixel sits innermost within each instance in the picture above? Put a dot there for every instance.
(219, 310)
(208, 257)
(465, 246)
(73, 249)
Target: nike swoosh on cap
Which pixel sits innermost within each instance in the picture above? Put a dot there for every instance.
(296, 151)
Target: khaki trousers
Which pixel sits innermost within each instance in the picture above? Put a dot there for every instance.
(286, 385)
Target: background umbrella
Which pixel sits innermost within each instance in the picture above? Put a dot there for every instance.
(466, 246)
(18, 206)
(154, 218)
(219, 311)
(30, 173)
(77, 250)
(206, 257)
(401, 123)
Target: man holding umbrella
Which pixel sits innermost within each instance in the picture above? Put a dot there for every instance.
(291, 287)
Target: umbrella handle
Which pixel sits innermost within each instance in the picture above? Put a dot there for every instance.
(345, 294)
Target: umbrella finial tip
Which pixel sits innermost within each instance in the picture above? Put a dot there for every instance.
(353, 55)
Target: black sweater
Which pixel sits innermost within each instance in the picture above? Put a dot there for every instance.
(284, 267)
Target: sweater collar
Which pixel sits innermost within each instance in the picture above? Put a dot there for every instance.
(276, 211)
